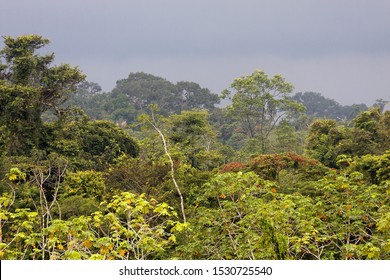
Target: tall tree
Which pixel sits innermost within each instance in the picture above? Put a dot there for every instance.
(29, 86)
(323, 138)
(260, 102)
(192, 96)
(142, 90)
(194, 136)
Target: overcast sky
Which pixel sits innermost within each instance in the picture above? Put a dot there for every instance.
(339, 48)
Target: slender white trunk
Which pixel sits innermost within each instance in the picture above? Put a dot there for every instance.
(155, 126)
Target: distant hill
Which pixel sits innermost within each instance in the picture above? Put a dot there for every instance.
(319, 106)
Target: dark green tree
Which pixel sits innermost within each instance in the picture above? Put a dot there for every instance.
(142, 90)
(29, 86)
(376, 126)
(193, 135)
(323, 138)
(192, 96)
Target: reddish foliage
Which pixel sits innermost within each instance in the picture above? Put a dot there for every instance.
(269, 166)
(233, 167)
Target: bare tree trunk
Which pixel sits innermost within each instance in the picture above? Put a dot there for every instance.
(155, 126)
(40, 178)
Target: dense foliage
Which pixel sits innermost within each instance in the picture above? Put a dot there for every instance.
(154, 170)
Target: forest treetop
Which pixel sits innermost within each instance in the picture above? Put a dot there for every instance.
(91, 175)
